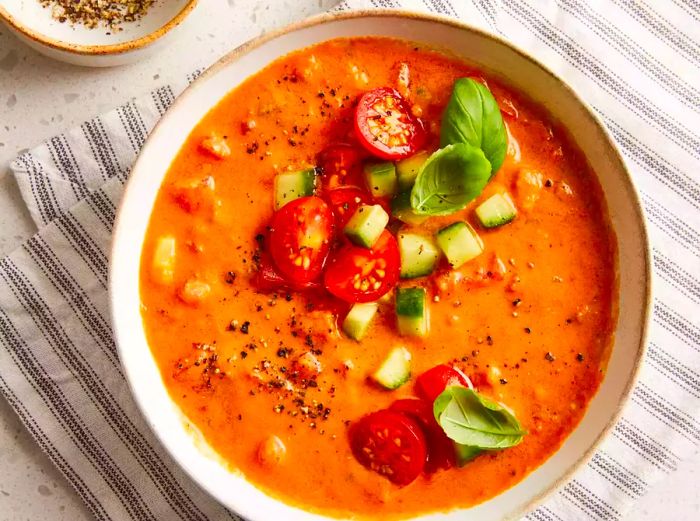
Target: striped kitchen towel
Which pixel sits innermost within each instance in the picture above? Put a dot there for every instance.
(637, 64)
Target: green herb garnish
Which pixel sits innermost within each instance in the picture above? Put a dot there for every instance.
(450, 179)
(472, 116)
(474, 140)
(473, 420)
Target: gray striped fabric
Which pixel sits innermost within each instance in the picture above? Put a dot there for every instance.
(637, 63)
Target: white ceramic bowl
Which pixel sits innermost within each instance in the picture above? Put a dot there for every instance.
(488, 52)
(98, 47)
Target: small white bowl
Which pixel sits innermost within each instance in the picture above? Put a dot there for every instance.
(485, 50)
(100, 46)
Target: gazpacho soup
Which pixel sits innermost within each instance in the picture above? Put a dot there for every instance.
(379, 281)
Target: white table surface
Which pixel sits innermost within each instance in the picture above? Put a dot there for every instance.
(40, 97)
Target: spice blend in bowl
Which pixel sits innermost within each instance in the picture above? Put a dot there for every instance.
(95, 32)
(96, 13)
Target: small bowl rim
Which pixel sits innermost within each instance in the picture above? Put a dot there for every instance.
(97, 50)
(237, 52)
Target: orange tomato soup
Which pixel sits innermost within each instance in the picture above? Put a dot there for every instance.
(530, 320)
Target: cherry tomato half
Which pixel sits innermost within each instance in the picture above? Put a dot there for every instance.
(341, 165)
(344, 202)
(441, 451)
(385, 125)
(356, 274)
(431, 383)
(300, 238)
(391, 444)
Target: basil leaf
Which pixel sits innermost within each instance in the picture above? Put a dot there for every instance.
(449, 179)
(471, 419)
(472, 116)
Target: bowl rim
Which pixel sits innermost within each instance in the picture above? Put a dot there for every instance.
(333, 16)
(97, 50)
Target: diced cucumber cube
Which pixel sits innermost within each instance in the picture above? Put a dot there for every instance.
(293, 185)
(460, 243)
(395, 370)
(407, 169)
(465, 453)
(497, 210)
(419, 255)
(411, 311)
(402, 210)
(358, 319)
(381, 178)
(366, 225)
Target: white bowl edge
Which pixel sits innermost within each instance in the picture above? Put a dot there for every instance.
(479, 48)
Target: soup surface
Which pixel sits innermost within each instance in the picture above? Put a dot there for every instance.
(263, 367)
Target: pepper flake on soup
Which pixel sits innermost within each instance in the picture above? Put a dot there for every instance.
(379, 282)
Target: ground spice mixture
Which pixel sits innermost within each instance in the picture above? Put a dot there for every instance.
(97, 13)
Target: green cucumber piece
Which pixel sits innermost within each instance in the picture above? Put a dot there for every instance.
(407, 169)
(460, 243)
(411, 311)
(358, 319)
(497, 210)
(395, 369)
(293, 185)
(419, 255)
(381, 178)
(366, 225)
(465, 453)
(402, 210)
